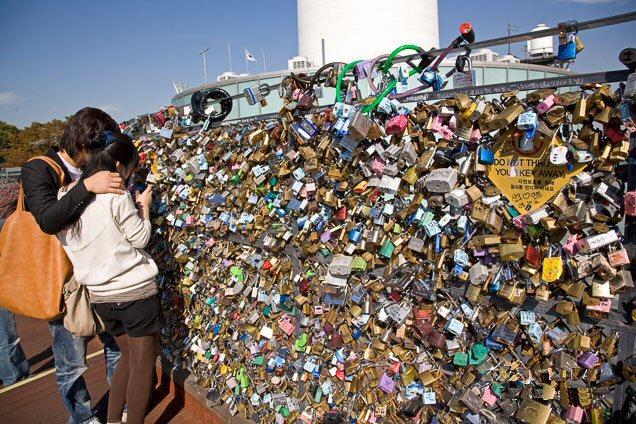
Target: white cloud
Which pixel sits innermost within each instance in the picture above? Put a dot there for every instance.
(108, 108)
(8, 98)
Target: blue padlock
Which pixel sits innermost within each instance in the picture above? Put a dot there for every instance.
(567, 51)
(427, 77)
(355, 234)
(486, 156)
(491, 344)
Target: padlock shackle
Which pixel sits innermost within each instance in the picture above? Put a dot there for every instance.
(341, 77)
(385, 68)
(372, 85)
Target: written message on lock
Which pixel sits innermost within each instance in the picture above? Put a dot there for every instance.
(528, 182)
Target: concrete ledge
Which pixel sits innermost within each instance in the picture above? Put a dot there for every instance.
(185, 391)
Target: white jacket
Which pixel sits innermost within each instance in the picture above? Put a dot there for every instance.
(107, 251)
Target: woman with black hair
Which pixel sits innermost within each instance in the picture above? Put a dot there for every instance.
(41, 183)
(105, 247)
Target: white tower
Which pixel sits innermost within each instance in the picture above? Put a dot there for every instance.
(540, 47)
(363, 29)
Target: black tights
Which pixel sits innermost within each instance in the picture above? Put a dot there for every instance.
(132, 381)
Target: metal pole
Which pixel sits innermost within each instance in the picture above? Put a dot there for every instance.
(229, 55)
(205, 63)
(264, 64)
(570, 27)
(323, 52)
(609, 76)
(247, 66)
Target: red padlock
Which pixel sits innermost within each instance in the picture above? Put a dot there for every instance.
(630, 203)
(615, 135)
(396, 125)
(341, 214)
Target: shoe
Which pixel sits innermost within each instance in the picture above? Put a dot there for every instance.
(93, 420)
(124, 417)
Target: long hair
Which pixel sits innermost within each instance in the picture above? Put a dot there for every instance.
(107, 149)
(84, 128)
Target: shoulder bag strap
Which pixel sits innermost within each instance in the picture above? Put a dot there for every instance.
(58, 170)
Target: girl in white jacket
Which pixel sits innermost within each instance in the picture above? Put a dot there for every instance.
(106, 249)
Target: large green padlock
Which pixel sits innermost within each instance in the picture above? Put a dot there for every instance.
(387, 249)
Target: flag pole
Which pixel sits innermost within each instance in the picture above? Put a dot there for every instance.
(229, 55)
(246, 61)
(264, 63)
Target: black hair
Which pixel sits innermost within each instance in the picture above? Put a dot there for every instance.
(84, 128)
(106, 150)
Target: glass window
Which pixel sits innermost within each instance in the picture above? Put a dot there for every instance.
(274, 102)
(494, 75)
(517, 75)
(536, 74)
(182, 101)
(232, 89)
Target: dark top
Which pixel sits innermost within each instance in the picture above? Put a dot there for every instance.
(41, 184)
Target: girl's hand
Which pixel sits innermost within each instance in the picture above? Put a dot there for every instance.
(144, 198)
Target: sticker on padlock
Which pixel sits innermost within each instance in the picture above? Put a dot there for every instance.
(465, 77)
(552, 267)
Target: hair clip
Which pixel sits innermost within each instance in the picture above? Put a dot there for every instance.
(108, 138)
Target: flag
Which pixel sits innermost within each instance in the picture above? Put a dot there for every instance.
(249, 56)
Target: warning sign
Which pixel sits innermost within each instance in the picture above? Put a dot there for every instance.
(528, 181)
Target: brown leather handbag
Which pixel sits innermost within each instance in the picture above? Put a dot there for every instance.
(33, 264)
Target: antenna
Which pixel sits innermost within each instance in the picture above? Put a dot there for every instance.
(511, 29)
(179, 86)
(205, 63)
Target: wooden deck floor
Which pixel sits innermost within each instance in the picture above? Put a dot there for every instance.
(36, 400)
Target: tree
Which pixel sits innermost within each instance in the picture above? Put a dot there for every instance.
(6, 132)
(16, 146)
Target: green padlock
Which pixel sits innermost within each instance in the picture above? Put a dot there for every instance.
(301, 343)
(478, 354)
(533, 231)
(359, 264)
(387, 249)
(460, 359)
(237, 273)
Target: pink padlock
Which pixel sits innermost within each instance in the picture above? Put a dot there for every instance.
(519, 221)
(377, 166)
(447, 133)
(438, 123)
(574, 413)
(545, 105)
(489, 397)
(475, 136)
(570, 245)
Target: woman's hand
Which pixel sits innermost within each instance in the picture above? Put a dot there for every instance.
(143, 200)
(105, 182)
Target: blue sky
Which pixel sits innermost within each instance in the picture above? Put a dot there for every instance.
(59, 56)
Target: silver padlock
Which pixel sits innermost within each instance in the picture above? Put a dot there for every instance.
(457, 198)
(467, 78)
(441, 180)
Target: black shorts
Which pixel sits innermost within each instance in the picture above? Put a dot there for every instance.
(137, 318)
